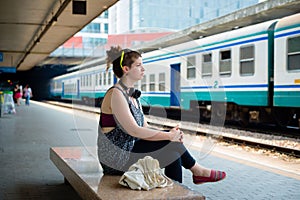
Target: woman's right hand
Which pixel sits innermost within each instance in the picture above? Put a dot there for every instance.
(176, 135)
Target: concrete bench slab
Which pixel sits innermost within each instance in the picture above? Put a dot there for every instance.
(82, 170)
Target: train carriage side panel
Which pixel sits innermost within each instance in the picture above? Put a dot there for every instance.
(287, 62)
(56, 88)
(229, 84)
(105, 80)
(59, 86)
(87, 83)
(70, 88)
(94, 81)
(101, 77)
(155, 85)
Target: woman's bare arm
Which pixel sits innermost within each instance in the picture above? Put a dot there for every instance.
(122, 112)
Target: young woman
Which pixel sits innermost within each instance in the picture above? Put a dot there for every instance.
(124, 136)
(27, 94)
(18, 94)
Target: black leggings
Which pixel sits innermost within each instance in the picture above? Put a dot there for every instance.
(171, 156)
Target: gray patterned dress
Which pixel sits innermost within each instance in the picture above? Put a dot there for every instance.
(114, 147)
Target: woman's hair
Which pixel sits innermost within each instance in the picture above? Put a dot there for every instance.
(115, 57)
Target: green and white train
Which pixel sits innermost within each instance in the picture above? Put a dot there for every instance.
(247, 74)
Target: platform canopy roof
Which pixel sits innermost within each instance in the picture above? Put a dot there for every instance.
(31, 29)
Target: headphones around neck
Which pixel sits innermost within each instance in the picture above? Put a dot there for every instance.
(132, 92)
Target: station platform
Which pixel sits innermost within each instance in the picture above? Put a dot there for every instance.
(28, 173)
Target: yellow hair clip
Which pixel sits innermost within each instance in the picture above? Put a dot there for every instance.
(122, 56)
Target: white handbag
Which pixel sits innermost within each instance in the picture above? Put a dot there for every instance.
(145, 174)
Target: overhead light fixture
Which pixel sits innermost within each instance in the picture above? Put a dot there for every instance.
(79, 7)
(53, 20)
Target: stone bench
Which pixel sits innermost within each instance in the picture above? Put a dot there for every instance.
(81, 169)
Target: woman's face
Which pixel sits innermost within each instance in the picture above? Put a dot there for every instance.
(137, 70)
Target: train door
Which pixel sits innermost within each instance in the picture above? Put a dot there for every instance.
(78, 89)
(175, 85)
(62, 89)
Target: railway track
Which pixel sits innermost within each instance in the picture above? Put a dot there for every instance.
(273, 148)
(229, 138)
(268, 129)
(217, 133)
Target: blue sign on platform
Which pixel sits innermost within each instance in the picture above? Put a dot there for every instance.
(8, 69)
(1, 57)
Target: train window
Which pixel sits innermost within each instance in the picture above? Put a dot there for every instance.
(109, 78)
(206, 65)
(191, 69)
(152, 82)
(100, 79)
(90, 80)
(247, 60)
(104, 78)
(96, 81)
(162, 81)
(70, 88)
(86, 80)
(293, 54)
(144, 84)
(225, 63)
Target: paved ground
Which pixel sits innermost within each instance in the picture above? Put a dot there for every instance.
(27, 172)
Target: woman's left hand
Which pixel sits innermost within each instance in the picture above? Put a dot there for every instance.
(177, 135)
(181, 137)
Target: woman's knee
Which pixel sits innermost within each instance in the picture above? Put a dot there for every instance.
(170, 157)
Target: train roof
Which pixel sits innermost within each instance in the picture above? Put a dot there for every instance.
(240, 33)
(260, 28)
(88, 64)
(289, 21)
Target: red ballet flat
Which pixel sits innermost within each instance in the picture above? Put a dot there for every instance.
(214, 177)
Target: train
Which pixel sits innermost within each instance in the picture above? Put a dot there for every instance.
(249, 74)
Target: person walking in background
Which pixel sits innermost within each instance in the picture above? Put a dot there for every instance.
(27, 94)
(124, 135)
(15, 92)
(18, 94)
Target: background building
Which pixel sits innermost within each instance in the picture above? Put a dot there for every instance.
(132, 22)
(131, 15)
(83, 43)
